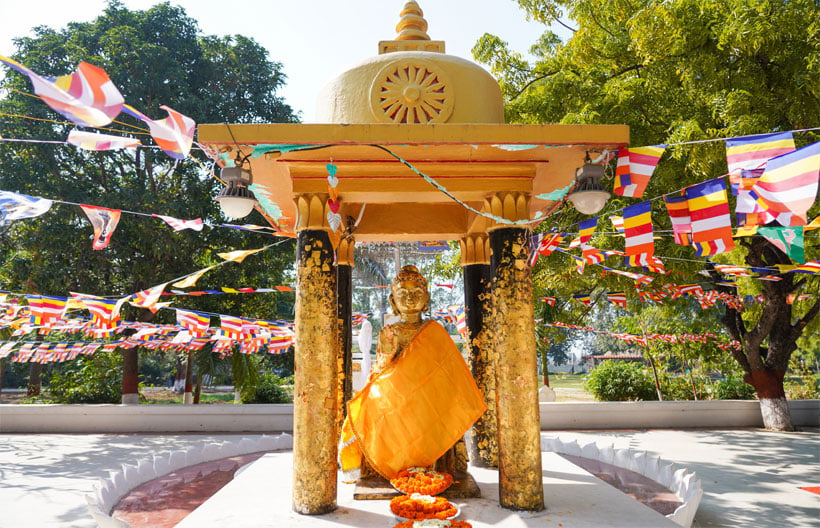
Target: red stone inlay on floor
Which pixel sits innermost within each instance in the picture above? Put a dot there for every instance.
(165, 501)
(637, 486)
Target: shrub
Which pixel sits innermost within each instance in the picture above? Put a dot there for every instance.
(676, 388)
(89, 379)
(620, 381)
(270, 390)
(732, 387)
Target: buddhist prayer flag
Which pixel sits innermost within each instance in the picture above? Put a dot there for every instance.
(104, 221)
(15, 206)
(634, 169)
(178, 225)
(711, 223)
(86, 97)
(549, 300)
(678, 210)
(592, 255)
(737, 271)
(586, 229)
(639, 246)
(231, 326)
(811, 267)
(97, 142)
(535, 243)
(548, 244)
(196, 323)
(618, 224)
(752, 152)
(239, 255)
(174, 134)
(148, 298)
(583, 299)
(788, 186)
(789, 240)
(45, 310)
(191, 279)
(747, 211)
(617, 298)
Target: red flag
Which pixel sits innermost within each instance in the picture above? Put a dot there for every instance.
(104, 222)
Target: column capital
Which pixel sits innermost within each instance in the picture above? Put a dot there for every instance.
(475, 249)
(508, 205)
(311, 211)
(344, 253)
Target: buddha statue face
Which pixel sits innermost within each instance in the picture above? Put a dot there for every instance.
(408, 292)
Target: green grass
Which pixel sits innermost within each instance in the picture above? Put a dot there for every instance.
(560, 380)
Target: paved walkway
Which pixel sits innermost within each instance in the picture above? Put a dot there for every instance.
(750, 477)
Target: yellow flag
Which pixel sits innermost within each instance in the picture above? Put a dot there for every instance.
(229, 290)
(239, 255)
(815, 224)
(745, 231)
(190, 280)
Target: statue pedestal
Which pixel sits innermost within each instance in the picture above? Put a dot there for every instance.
(378, 488)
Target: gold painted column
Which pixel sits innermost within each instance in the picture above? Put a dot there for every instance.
(475, 262)
(315, 388)
(344, 288)
(519, 426)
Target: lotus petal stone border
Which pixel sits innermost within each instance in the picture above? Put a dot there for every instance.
(679, 481)
(110, 490)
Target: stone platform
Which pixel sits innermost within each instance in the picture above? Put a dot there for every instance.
(260, 496)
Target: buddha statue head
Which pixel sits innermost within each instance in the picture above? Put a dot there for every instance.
(409, 295)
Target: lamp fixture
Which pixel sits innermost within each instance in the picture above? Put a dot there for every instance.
(236, 200)
(589, 196)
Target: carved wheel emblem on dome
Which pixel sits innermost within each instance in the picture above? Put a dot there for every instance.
(411, 91)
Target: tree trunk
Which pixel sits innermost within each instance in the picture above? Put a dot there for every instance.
(130, 379)
(774, 408)
(35, 379)
(188, 397)
(198, 389)
(2, 373)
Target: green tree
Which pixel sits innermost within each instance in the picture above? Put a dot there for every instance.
(676, 71)
(156, 56)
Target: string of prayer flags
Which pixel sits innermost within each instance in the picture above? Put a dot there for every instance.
(196, 323)
(549, 300)
(231, 326)
(655, 265)
(46, 310)
(104, 221)
(617, 298)
(639, 278)
(196, 224)
(238, 255)
(752, 152)
(811, 267)
(634, 169)
(100, 142)
(788, 186)
(793, 297)
(709, 212)
(736, 271)
(86, 97)
(592, 255)
(618, 224)
(678, 210)
(546, 245)
(789, 240)
(587, 229)
(16, 206)
(639, 245)
(105, 313)
(584, 299)
(174, 134)
(535, 243)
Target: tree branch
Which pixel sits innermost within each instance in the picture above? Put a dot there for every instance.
(530, 83)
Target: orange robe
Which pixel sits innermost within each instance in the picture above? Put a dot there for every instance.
(414, 410)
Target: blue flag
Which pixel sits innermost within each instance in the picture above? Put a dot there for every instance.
(14, 206)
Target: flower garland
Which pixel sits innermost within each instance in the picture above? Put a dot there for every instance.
(433, 523)
(421, 480)
(417, 506)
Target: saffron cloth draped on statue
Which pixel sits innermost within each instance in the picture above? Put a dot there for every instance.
(414, 410)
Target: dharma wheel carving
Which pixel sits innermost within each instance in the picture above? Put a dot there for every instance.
(411, 91)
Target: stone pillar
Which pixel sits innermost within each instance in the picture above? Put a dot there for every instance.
(344, 287)
(314, 393)
(519, 444)
(475, 262)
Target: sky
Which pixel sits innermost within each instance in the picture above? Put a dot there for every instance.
(313, 39)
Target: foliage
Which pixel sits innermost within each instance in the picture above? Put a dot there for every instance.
(804, 384)
(269, 390)
(675, 71)
(620, 381)
(89, 379)
(732, 387)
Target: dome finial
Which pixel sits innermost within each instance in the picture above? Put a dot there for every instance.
(412, 25)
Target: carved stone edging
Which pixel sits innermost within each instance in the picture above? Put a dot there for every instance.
(109, 491)
(679, 481)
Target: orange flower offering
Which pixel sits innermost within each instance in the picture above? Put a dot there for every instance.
(433, 523)
(421, 480)
(418, 506)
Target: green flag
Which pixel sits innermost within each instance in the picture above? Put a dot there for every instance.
(789, 240)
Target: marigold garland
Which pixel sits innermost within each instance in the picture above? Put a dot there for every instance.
(417, 506)
(421, 480)
(433, 523)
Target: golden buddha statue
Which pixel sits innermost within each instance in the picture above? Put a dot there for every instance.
(421, 397)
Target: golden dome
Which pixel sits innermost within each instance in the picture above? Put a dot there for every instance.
(412, 81)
